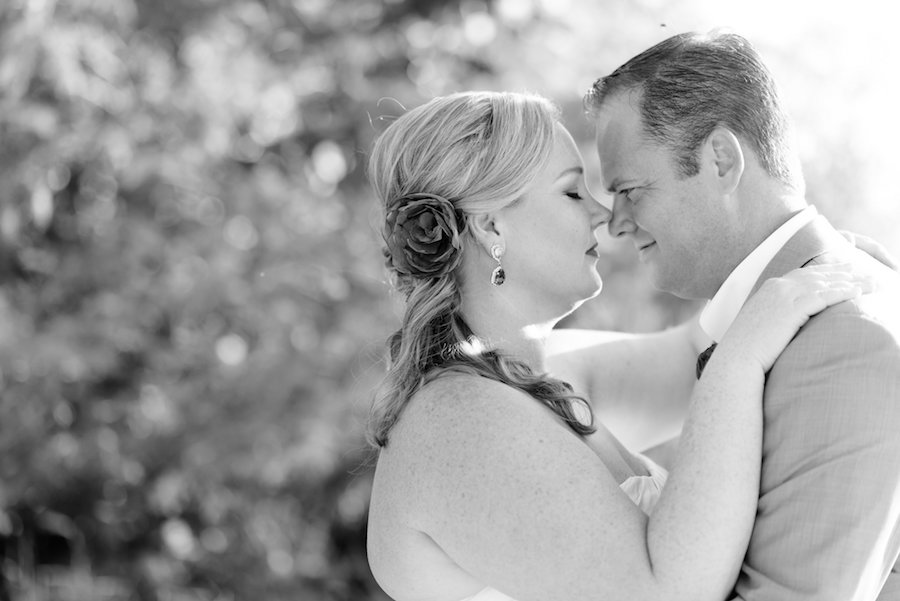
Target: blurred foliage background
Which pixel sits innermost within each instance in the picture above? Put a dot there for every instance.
(192, 304)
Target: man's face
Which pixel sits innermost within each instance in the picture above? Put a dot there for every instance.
(676, 223)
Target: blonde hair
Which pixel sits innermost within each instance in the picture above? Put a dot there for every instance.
(479, 151)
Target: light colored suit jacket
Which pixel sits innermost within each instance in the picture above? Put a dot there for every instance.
(828, 521)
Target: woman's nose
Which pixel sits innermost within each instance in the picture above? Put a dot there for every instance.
(600, 215)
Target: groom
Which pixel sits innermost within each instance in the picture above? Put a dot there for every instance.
(694, 146)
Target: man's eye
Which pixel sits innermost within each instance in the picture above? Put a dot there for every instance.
(574, 195)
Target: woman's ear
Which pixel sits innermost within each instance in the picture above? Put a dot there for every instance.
(485, 230)
(723, 149)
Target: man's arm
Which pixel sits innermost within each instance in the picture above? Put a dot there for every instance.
(638, 384)
(829, 506)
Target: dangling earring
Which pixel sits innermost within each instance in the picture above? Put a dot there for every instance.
(498, 276)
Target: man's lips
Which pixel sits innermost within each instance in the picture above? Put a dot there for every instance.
(644, 249)
(592, 251)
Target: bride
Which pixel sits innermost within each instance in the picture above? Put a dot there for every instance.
(494, 481)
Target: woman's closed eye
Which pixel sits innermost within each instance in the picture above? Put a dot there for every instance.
(574, 195)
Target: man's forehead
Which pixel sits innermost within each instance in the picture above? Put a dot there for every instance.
(616, 150)
(619, 115)
(618, 135)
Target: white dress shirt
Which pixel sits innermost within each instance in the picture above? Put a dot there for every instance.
(720, 311)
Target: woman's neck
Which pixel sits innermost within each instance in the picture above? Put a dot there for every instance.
(511, 333)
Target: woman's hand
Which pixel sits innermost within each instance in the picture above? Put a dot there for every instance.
(772, 316)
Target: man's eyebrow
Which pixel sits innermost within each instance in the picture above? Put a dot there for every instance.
(578, 170)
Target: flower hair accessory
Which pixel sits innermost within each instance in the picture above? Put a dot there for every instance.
(422, 234)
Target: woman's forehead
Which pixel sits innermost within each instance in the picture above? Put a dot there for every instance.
(565, 155)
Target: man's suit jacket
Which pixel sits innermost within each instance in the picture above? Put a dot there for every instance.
(828, 521)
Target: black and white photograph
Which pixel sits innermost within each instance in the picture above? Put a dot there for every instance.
(464, 300)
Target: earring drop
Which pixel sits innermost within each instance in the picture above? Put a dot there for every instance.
(498, 276)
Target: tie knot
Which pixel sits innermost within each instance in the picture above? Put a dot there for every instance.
(703, 357)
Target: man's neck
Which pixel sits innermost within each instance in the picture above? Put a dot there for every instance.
(758, 217)
(728, 300)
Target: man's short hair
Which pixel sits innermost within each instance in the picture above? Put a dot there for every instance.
(689, 84)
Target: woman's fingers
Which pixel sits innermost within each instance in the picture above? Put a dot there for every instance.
(771, 318)
(872, 247)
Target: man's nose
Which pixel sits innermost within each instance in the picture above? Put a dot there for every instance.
(621, 222)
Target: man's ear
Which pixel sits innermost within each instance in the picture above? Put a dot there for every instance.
(485, 229)
(724, 152)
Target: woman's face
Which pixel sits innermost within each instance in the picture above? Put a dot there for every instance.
(551, 250)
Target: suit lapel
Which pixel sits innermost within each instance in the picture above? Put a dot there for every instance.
(812, 241)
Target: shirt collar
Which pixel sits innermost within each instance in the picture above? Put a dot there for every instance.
(721, 310)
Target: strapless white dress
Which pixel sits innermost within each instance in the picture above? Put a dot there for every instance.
(643, 490)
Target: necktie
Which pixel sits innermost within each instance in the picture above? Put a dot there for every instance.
(703, 357)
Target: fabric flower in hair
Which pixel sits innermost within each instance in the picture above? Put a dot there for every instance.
(422, 233)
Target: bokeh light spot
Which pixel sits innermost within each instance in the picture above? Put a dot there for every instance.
(241, 233)
(231, 349)
(328, 162)
(178, 537)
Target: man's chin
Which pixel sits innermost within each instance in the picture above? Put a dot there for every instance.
(671, 285)
(683, 289)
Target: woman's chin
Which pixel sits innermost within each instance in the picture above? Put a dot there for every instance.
(597, 287)
(589, 293)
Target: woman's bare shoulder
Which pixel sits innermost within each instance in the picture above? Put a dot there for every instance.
(447, 430)
(489, 474)
(469, 431)
(464, 405)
